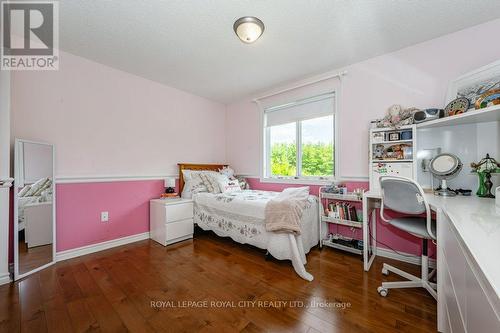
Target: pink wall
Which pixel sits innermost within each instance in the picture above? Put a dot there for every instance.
(414, 76)
(79, 208)
(387, 235)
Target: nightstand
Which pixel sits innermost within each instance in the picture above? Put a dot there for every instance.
(171, 221)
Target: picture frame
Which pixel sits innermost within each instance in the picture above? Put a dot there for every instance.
(394, 136)
(378, 137)
(474, 84)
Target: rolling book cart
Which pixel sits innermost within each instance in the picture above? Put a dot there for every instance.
(343, 213)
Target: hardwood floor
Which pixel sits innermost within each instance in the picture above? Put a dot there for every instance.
(34, 257)
(122, 289)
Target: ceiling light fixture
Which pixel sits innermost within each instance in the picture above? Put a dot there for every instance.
(248, 29)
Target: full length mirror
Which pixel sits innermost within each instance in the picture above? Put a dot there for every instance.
(34, 222)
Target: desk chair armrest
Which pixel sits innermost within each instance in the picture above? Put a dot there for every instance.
(428, 214)
(382, 210)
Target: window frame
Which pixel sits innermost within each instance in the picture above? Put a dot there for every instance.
(265, 164)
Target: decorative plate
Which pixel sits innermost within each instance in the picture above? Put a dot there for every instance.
(457, 106)
(492, 96)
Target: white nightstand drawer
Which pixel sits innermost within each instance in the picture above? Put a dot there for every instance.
(171, 221)
(179, 230)
(179, 212)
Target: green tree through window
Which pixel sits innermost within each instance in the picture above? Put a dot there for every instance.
(316, 159)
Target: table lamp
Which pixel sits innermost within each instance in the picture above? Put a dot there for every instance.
(170, 185)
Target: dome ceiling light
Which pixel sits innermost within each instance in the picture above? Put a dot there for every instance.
(248, 29)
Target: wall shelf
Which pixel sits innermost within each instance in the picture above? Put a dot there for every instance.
(341, 197)
(329, 243)
(349, 223)
(390, 161)
(485, 115)
(392, 142)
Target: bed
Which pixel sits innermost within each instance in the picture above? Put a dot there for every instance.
(240, 216)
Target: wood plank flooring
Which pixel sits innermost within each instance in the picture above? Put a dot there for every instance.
(31, 258)
(211, 284)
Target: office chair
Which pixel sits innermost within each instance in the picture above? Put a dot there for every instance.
(404, 195)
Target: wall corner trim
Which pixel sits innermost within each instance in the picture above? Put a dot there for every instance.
(88, 249)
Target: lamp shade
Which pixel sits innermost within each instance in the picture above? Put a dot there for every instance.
(170, 182)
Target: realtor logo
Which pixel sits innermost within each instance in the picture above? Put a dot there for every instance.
(30, 35)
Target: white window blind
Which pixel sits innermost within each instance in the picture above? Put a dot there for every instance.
(298, 132)
(309, 108)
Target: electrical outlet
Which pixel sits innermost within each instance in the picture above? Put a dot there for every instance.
(104, 216)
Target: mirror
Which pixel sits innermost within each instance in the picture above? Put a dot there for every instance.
(34, 208)
(445, 166)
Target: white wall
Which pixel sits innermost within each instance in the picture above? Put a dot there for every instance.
(106, 122)
(415, 76)
(469, 142)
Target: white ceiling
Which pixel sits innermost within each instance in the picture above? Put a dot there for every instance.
(190, 44)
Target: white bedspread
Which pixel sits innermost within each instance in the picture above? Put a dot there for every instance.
(240, 215)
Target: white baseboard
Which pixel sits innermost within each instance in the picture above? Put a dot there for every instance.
(402, 256)
(88, 249)
(4, 279)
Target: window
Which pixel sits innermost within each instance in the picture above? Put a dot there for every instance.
(299, 139)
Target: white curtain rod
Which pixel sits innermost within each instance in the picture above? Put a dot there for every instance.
(339, 75)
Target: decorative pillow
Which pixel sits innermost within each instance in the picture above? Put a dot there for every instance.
(210, 182)
(193, 182)
(37, 186)
(243, 183)
(227, 185)
(44, 187)
(187, 191)
(193, 177)
(23, 192)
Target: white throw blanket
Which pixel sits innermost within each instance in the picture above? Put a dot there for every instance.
(284, 212)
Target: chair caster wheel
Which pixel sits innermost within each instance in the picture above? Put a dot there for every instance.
(382, 291)
(385, 271)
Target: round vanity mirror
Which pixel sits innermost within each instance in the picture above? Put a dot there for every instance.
(445, 166)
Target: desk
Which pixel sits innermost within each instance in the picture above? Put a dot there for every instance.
(468, 260)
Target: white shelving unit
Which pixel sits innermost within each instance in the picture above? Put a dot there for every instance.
(325, 197)
(405, 167)
(491, 113)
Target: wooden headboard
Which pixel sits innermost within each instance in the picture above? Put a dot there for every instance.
(192, 166)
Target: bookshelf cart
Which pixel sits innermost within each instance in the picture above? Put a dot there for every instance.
(328, 198)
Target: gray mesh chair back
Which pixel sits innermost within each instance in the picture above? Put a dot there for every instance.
(401, 195)
(404, 195)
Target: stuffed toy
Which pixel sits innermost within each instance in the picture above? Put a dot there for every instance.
(227, 171)
(378, 152)
(243, 183)
(396, 116)
(230, 174)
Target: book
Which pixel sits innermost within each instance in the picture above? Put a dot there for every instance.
(170, 196)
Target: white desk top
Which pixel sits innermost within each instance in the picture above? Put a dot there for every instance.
(477, 221)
